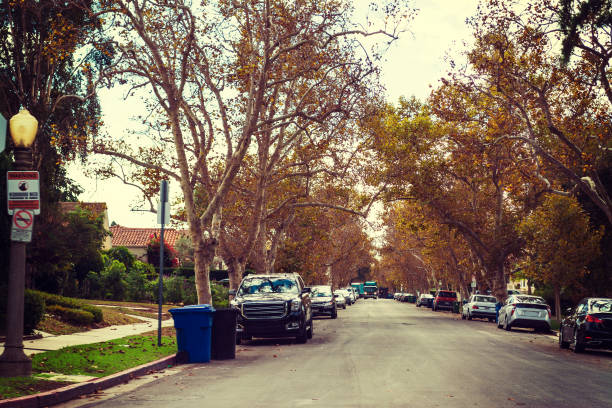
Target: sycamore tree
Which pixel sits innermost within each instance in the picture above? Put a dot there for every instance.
(559, 244)
(214, 76)
(563, 113)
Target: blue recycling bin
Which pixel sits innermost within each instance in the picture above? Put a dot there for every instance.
(193, 331)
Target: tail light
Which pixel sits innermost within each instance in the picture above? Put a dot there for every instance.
(474, 307)
(549, 314)
(593, 319)
(512, 311)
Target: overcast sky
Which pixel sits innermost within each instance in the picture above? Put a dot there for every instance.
(413, 63)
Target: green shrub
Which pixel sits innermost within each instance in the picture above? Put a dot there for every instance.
(220, 295)
(173, 289)
(113, 279)
(33, 310)
(123, 255)
(136, 285)
(76, 316)
(71, 303)
(95, 311)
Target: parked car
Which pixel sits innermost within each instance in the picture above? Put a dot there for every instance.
(397, 295)
(524, 311)
(481, 306)
(323, 301)
(350, 299)
(273, 305)
(444, 299)
(424, 299)
(340, 298)
(588, 325)
(353, 293)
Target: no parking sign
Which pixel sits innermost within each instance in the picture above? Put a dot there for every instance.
(22, 225)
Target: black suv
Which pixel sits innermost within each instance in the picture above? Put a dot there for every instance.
(273, 305)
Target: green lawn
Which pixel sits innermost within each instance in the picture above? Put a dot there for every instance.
(102, 359)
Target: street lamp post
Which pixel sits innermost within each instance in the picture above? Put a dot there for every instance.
(13, 361)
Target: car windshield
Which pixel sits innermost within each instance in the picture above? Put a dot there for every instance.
(267, 285)
(488, 299)
(447, 294)
(601, 305)
(427, 296)
(321, 292)
(530, 299)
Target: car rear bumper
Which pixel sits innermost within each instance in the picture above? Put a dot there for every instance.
(322, 310)
(530, 323)
(597, 339)
(483, 314)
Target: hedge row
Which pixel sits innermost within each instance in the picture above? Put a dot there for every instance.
(76, 316)
(71, 303)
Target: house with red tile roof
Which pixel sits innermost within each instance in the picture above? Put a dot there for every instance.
(136, 239)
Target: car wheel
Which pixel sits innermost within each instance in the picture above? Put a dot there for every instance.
(507, 326)
(310, 330)
(562, 343)
(334, 314)
(499, 326)
(344, 307)
(577, 345)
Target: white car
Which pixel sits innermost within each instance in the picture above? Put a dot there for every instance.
(481, 306)
(352, 293)
(340, 299)
(524, 311)
(347, 296)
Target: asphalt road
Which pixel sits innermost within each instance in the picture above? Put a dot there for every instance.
(381, 353)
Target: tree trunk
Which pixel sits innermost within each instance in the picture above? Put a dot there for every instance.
(235, 272)
(499, 288)
(204, 254)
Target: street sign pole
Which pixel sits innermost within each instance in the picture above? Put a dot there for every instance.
(163, 192)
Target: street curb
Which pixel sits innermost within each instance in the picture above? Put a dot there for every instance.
(57, 396)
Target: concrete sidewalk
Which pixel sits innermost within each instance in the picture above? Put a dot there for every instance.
(53, 342)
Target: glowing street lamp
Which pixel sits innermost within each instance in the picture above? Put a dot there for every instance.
(13, 361)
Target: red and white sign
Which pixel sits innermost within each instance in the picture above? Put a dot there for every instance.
(23, 191)
(23, 219)
(22, 226)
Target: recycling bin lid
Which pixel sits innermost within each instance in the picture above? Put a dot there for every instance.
(192, 308)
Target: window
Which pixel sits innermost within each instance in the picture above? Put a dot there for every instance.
(601, 305)
(267, 285)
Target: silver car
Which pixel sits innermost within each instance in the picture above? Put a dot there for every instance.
(524, 311)
(481, 306)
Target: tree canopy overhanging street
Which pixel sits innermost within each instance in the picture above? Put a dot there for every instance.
(271, 122)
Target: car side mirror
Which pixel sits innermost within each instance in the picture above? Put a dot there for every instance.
(306, 290)
(232, 292)
(336, 296)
